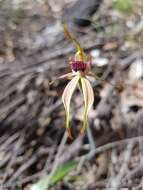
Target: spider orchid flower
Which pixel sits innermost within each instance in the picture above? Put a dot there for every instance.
(80, 66)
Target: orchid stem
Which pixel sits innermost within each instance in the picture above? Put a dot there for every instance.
(90, 137)
(91, 153)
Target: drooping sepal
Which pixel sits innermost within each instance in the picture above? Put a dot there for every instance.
(66, 98)
(88, 100)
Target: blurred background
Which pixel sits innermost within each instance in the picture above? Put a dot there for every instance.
(35, 152)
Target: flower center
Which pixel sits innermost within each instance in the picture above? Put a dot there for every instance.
(78, 66)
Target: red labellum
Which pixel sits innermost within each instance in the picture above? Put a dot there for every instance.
(78, 65)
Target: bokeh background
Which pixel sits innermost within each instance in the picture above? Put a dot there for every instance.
(35, 152)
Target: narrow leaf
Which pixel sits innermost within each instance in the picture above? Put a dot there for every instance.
(66, 98)
(88, 100)
(61, 172)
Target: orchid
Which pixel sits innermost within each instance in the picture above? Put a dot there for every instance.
(81, 68)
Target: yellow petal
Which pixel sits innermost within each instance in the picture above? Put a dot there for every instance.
(88, 100)
(66, 98)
